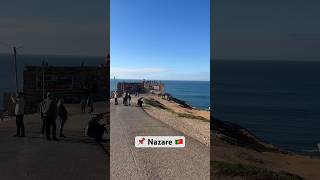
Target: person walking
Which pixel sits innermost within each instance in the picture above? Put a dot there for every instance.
(115, 98)
(62, 116)
(83, 104)
(129, 99)
(19, 113)
(90, 104)
(42, 103)
(124, 99)
(50, 116)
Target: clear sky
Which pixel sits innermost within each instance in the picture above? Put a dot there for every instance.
(160, 39)
(268, 30)
(59, 27)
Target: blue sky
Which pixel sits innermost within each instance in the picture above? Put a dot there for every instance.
(160, 39)
(60, 27)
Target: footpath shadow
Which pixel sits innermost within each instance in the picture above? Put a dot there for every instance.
(70, 140)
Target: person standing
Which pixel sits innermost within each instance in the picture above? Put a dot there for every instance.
(50, 116)
(62, 115)
(124, 98)
(90, 104)
(83, 104)
(129, 99)
(115, 98)
(19, 113)
(42, 117)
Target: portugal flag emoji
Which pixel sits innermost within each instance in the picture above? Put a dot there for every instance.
(179, 141)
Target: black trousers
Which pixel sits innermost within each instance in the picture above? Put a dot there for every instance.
(50, 122)
(83, 108)
(20, 125)
(43, 125)
(63, 121)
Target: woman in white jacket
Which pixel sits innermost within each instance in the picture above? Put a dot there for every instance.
(19, 112)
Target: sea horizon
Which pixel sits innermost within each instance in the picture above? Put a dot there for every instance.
(52, 55)
(266, 60)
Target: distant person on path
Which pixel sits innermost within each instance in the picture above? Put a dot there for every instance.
(90, 104)
(83, 104)
(62, 115)
(115, 98)
(129, 99)
(50, 115)
(19, 113)
(125, 99)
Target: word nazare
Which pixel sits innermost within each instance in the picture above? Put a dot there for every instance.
(159, 142)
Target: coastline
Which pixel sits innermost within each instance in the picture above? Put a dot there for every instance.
(232, 146)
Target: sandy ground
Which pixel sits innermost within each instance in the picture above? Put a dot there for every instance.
(195, 128)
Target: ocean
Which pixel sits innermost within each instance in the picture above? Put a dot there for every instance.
(279, 101)
(195, 93)
(7, 73)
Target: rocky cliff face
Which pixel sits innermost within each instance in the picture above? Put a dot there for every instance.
(239, 136)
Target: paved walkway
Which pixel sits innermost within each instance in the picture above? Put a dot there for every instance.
(128, 162)
(35, 158)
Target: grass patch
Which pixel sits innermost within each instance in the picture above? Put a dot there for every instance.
(154, 103)
(185, 115)
(224, 169)
(157, 104)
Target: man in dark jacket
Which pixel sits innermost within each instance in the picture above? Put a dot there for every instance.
(62, 116)
(50, 116)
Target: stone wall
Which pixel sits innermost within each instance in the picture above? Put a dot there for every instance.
(69, 83)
